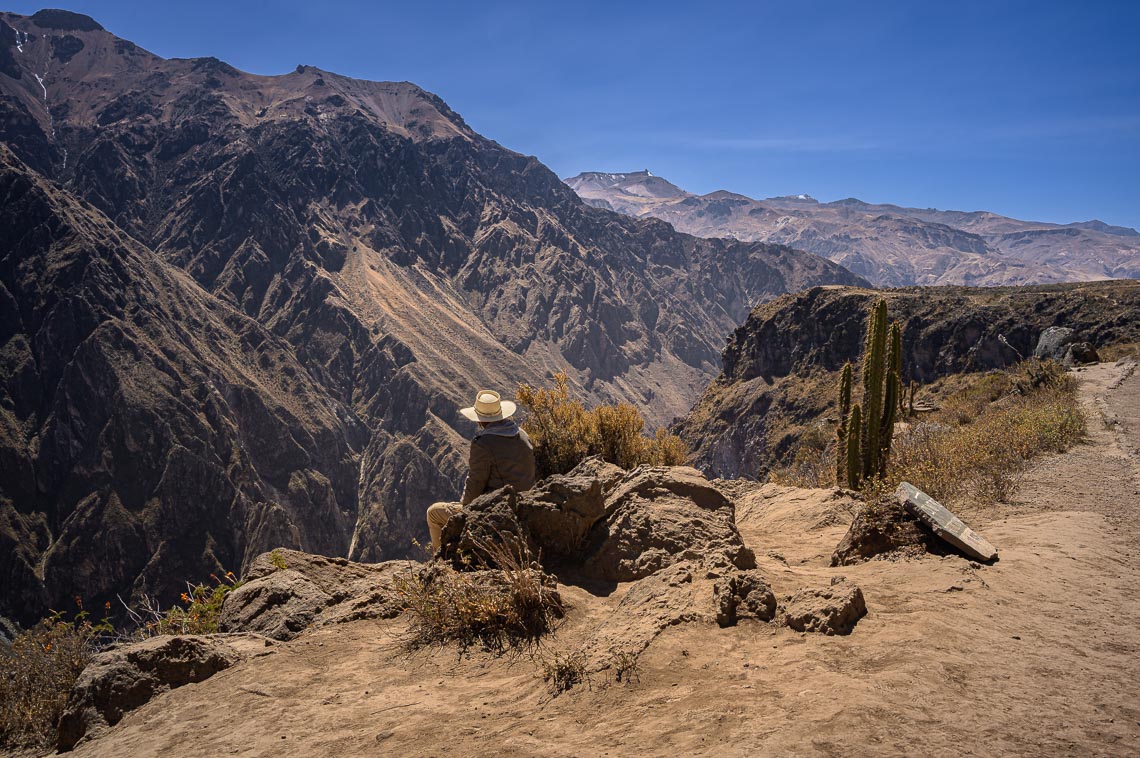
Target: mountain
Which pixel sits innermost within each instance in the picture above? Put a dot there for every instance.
(888, 244)
(241, 311)
(781, 367)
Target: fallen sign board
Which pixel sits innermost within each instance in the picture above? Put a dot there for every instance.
(944, 523)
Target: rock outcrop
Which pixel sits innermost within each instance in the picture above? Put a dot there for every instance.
(286, 592)
(128, 676)
(742, 595)
(332, 267)
(651, 518)
(658, 516)
(781, 367)
(1062, 344)
(830, 610)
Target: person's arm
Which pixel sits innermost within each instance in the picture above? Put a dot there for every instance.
(478, 472)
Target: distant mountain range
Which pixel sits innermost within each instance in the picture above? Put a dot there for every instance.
(240, 312)
(888, 244)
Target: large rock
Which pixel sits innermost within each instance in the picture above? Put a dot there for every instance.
(552, 519)
(658, 516)
(743, 594)
(884, 526)
(124, 678)
(831, 610)
(1054, 343)
(287, 591)
(559, 511)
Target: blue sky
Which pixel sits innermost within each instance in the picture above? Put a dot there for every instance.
(1031, 109)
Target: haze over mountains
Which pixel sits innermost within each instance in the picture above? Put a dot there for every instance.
(888, 244)
(240, 311)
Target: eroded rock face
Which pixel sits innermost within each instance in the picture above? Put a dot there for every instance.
(656, 517)
(882, 527)
(743, 594)
(287, 591)
(651, 518)
(830, 610)
(127, 677)
(781, 367)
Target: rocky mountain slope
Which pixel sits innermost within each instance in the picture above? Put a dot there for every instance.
(663, 671)
(888, 244)
(781, 366)
(250, 307)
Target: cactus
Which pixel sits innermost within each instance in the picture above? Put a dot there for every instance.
(865, 432)
(874, 367)
(894, 360)
(845, 381)
(852, 458)
(910, 402)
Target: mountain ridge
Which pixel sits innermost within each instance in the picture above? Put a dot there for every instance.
(399, 261)
(889, 244)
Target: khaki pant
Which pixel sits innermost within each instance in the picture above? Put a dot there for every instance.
(437, 516)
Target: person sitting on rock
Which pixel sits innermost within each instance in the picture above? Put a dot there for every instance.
(501, 454)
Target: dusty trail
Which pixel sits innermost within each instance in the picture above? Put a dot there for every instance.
(1038, 654)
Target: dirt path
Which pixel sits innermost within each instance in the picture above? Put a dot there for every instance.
(1038, 654)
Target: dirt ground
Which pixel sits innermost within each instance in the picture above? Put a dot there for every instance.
(1038, 654)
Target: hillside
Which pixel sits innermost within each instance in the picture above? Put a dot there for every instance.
(890, 245)
(1033, 655)
(781, 367)
(367, 262)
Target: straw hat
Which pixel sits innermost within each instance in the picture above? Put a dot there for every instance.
(489, 407)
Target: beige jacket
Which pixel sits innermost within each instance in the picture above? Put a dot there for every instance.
(496, 461)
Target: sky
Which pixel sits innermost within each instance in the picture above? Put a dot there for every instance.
(1029, 109)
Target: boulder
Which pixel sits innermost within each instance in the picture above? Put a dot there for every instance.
(1054, 343)
(552, 519)
(1080, 353)
(126, 677)
(287, 591)
(831, 610)
(743, 594)
(559, 511)
(489, 520)
(597, 468)
(658, 516)
(884, 526)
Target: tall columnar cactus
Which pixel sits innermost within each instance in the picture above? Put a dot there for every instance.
(874, 370)
(852, 458)
(894, 360)
(892, 398)
(846, 379)
(866, 431)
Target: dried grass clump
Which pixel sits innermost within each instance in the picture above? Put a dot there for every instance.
(565, 432)
(1034, 411)
(497, 608)
(562, 671)
(37, 672)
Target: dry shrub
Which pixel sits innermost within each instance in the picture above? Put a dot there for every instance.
(498, 608)
(1034, 411)
(1120, 350)
(37, 672)
(562, 671)
(565, 432)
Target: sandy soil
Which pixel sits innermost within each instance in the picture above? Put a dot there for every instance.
(1038, 654)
